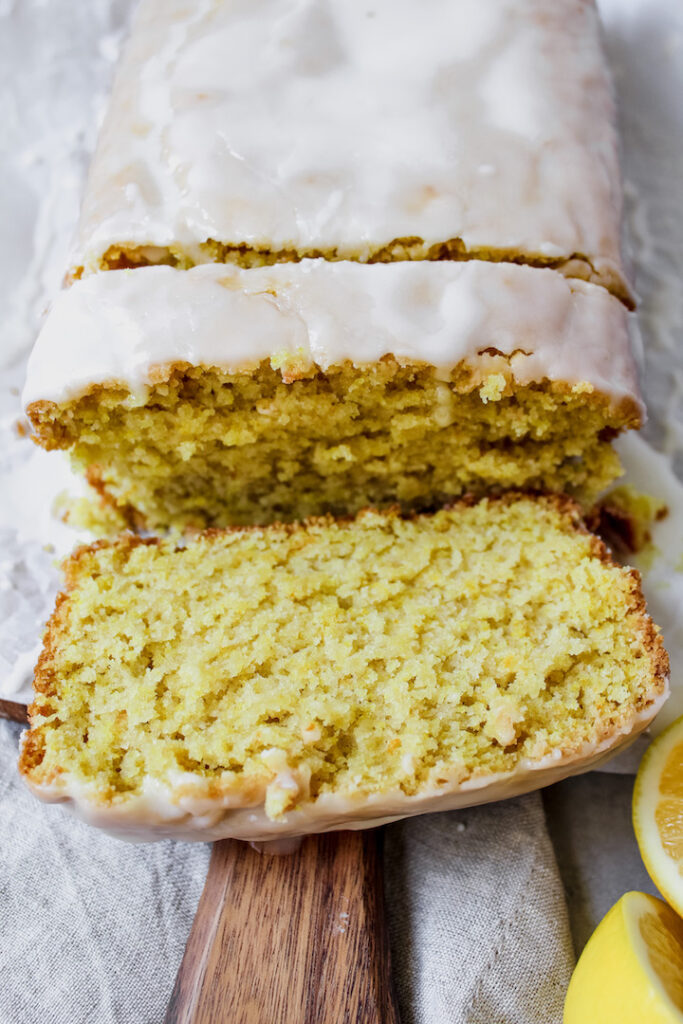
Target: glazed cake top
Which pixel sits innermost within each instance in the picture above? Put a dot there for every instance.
(304, 127)
(130, 326)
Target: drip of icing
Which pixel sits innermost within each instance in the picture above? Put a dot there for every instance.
(122, 326)
(172, 810)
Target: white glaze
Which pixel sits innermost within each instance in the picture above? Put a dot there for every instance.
(161, 811)
(308, 124)
(121, 326)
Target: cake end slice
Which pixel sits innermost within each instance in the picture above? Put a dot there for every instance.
(265, 682)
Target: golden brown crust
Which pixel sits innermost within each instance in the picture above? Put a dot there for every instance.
(44, 417)
(626, 529)
(650, 633)
(132, 519)
(32, 750)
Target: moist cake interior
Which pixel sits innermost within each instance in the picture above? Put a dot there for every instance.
(207, 448)
(350, 657)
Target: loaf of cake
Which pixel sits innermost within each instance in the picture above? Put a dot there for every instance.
(342, 260)
(274, 681)
(220, 395)
(390, 264)
(271, 130)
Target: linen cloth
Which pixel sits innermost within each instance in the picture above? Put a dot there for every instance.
(477, 916)
(92, 929)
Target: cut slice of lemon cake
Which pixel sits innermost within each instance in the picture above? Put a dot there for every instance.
(254, 131)
(219, 395)
(276, 681)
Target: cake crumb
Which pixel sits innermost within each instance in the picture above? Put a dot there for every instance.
(625, 518)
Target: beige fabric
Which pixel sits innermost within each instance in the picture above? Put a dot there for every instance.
(92, 929)
(478, 919)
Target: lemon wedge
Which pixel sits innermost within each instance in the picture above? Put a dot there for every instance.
(631, 971)
(658, 813)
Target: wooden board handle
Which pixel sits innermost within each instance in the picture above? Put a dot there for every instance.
(14, 711)
(298, 939)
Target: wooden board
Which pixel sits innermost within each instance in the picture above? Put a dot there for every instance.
(297, 939)
(13, 710)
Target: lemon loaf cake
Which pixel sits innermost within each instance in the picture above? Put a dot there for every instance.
(219, 395)
(254, 131)
(264, 682)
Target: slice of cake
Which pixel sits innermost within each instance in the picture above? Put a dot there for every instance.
(267, 682)
(266, 130)
(219, 395)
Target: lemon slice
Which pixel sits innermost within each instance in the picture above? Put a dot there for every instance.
(631, 971)
(658, 813)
